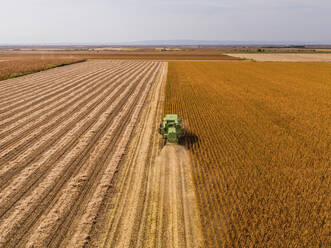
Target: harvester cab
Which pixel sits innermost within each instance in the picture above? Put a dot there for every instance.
(171, 128)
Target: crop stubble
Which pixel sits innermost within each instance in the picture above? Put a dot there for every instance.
(63, 133)
(260, 138)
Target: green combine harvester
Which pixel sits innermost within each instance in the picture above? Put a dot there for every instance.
(171, 128)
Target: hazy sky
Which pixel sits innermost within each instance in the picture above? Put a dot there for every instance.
(42, 21)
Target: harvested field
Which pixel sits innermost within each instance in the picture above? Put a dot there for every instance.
(260, 139)
(78, 161)
(286, 57)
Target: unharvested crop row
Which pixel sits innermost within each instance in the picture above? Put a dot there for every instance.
(259, 136)
(56, 165)
(11, 67)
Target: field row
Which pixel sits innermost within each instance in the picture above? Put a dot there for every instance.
(63, 133)
(260, 138)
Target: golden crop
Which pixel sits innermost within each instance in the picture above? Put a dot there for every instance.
(260, 138)
(13, 66)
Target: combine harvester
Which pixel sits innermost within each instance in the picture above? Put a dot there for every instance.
(171, 128)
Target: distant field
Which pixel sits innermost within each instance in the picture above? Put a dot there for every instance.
(147, 54)
(260, 138)
(18, 63)
(318, 57)
(323, 50)
(161, 56)
(62, 136)
(14, 66)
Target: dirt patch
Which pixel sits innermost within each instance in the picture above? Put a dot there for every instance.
(182, 228)
(283, 57)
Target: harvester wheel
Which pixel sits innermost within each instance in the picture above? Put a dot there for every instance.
(164, 141)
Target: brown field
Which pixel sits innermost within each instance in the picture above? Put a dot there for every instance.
(323, 50)
(18, 63)
(13, 65)
(141, 54)
(286, 57)
(79, 164)
(260, 138)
